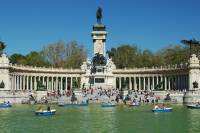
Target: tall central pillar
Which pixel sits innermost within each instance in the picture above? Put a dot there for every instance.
(99, 34)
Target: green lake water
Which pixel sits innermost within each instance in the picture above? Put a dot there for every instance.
(95, 119)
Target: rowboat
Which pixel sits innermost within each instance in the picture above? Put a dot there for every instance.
(194, 106)
(72, 105)
(45, 112)
(5, 105)
(108, 105)
(162, 110)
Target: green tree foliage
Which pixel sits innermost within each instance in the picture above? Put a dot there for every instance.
(18, 59)
(129, 56)
(124, 56)
(72, 55)
(31, 59)
(59, 54)
(35, 59)
(175, 55)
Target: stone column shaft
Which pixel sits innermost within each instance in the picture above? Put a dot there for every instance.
(139, 78)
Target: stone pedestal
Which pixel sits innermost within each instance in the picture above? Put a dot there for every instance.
(99, 38)
(5, 81)
(191, 97)
(194, 72)
(40, 95)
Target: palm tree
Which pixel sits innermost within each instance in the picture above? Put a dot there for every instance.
(2, 47)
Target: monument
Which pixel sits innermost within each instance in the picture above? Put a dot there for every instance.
(4, 71)
(193, 94)
(180, 81)
(99, 69)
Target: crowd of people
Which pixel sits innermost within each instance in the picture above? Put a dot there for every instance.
(112, 95)
(103, 95)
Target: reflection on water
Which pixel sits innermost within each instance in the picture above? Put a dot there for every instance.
(194, 121)
(4, 117)
(95, 119)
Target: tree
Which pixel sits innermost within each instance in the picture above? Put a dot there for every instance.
(54, 53)
(31, 59)
(2, 47)
(18, 59)
(129, 56)
(35, 59)
(125, 56)
(175, 55)
(59, 54)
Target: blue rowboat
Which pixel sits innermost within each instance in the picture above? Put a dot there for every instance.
(45, 112)
(194, 106)
(72, 105)
(162, 110)
(5, 105)
(107, 105)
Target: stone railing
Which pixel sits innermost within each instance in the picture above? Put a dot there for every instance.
(15, 67)
(153, 69)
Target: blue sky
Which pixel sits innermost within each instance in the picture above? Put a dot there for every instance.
(28, 25)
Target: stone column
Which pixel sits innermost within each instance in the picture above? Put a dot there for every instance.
(71, 83)
(161, 80)
(19, 87)
(35, 83)
(139, 78)
(130, 84)
(23, 84)
(66, 84)
(56, 85)
(31, 83)
(120, 83)
(177, 82)
(61, 86)
(20, 82)
(52, 83)
(148, 83)
(16, 82)
(169, 87)
(144, 83)
(178, 79)
(13, 82)
(134, 80)
(47, 85)
(165, 82)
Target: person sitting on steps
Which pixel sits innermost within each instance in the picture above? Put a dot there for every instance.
(48, 108)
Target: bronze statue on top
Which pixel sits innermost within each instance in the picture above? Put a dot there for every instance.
(194, 46)
(99, 15)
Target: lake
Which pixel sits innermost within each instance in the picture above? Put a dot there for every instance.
(95, 119)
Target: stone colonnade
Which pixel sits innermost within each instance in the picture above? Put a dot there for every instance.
(152, 82)
(20, 81)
